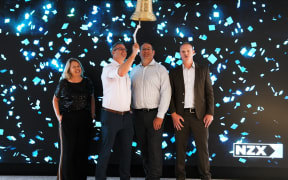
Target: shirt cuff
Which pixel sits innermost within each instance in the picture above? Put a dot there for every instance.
(160, 115)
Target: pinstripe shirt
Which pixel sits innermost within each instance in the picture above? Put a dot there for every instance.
(151, 87)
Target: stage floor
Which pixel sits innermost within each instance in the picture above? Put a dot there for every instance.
(89, 178)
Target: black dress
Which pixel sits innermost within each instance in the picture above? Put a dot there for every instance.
(75, 128)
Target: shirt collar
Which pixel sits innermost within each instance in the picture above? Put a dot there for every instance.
(114, 62)
(151, 63)
(193, 66)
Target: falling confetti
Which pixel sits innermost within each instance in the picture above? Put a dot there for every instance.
(243, 42)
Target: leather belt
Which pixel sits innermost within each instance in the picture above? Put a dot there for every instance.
(146, 109)
(190, 110)
(116, 112)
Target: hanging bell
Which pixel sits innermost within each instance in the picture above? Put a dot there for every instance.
(144, 11)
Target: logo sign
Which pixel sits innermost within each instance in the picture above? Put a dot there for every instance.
(258, 150)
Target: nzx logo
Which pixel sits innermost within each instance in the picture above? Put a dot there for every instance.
(258, 150)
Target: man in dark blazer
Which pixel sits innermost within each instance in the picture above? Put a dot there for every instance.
(192, 110)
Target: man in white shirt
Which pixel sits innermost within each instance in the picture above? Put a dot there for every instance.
(151, 93)
(116, 116)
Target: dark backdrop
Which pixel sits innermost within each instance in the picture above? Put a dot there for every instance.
(245, 48)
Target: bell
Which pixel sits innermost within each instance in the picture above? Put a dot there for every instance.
(144, 11)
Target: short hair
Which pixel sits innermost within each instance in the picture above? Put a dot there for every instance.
(66, 73)
(184, 43)
(115, 44)
(148, 43)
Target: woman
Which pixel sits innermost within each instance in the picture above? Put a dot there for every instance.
(74, 106)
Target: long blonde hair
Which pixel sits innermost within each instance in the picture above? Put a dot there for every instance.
(66, 73)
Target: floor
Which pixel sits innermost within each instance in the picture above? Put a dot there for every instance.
(54, 178)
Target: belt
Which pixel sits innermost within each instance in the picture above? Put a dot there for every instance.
(190, 110)
(116, 112)
(147, 109)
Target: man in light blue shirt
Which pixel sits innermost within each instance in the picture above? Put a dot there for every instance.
(151, 94)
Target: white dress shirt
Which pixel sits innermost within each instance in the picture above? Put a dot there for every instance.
(189, 81)
(151, 87)
(116, 89)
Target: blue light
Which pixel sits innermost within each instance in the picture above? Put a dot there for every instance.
(36, 80)
(216, 14)
(35, 153)
(49, 6)
(164, 144)
(226, 99)
(48, 158)
(45, 18)
(178, 5)
(244, 133)
(168, 156)
(36, 42)
(177, 55)
(62, 49)
(7, 20)
(211, 27)
(172, 139)
(242, 120)
(212, 58)
(27, 16)
(65, 26)
(179, 62)
(109, 36)
(223, 138)
(252, 52)
(129, 3)
(242, 160)
(168, 59)
(133, 24)
(103, 64)
(238, 92)
(19, 27)
(243, 51)
(234, 126)
(229, 20)
(203, 37)
(189, 153)
(11, 138)
(238, 3)
(39, 138)
(213, 79)
(68, 40)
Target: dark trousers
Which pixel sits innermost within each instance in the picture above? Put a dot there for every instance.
(150, 143)
(200, 134)
(75, 133)
(115, 125)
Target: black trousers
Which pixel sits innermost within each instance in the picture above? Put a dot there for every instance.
(150, 142)
(121, 126)
(200, 134)
(75, 136)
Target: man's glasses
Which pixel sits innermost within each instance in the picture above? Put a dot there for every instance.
(120, 48)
